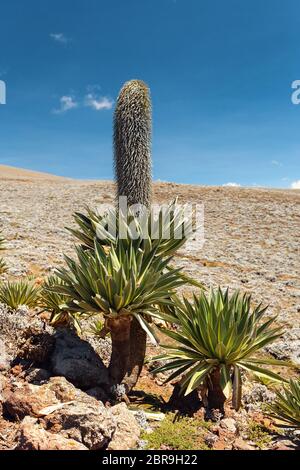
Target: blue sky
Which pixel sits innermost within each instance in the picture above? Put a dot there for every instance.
(220, 74)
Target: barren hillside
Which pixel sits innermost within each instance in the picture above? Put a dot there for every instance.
(251, 235)
(12, 173)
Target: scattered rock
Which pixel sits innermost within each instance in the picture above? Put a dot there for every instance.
(240, 444)
(214, 415)
(288, 348)
(141, 419)
(2, 387)
(219, 445)
(3, 383)
(17, 370)
(229, 424)
(32, 436)
(118, 392)
(127, 432)
(4, 357)
(257, 395)
(76, 360)
(210, 439)
(285, 444)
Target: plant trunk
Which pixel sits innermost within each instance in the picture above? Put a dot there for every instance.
(138, 340)
(120, 356)
(215, 396)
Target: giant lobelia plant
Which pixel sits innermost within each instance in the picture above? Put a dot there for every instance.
(127, 281)
(127, 278)
(132, 156)
(161, 234)
(132, 161)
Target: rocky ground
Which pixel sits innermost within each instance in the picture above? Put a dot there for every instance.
(251, 242)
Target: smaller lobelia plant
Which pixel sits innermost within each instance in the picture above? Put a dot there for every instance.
(55, 303)
(218, 336)
(286, 407)
(21, 292)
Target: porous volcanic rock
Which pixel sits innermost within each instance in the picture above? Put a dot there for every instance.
(89, 423)
(31, 436)
(128, 430)
(21, 399)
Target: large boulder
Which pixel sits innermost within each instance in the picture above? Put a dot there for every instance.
(88, 422)
(76, 360)
(31, 436)
(62, 410)
(56, 413)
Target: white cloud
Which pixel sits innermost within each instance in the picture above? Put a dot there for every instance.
(66, 104)
(232, 185)
(90, 100)
(98, 103)
(59, 37)
(295, 185)
(276, 163)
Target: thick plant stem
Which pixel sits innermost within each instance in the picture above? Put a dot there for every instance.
(138, 339)
(120, 356)
(132, 157)
(132, 143)
(215, 397)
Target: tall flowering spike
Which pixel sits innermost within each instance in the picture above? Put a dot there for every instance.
(132, 143)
